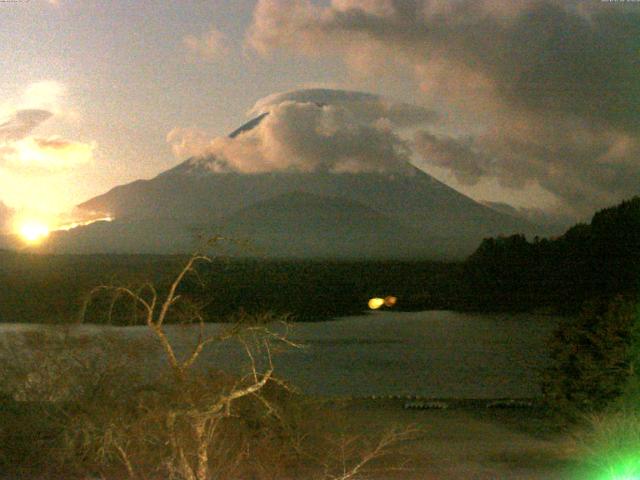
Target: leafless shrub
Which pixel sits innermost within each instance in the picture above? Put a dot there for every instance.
(56, 364)
(188, 423)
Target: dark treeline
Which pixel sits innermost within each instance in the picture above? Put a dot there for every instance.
(53, 288)
(596, 260)
(312, 290)
(593, 260)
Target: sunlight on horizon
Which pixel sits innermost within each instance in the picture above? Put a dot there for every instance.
(33, 231)
(70, 226)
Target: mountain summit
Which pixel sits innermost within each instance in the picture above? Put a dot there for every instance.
(301, 179)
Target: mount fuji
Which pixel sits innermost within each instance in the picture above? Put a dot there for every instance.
(297, 214)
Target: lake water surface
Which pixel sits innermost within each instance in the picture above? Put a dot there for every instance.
(433, 354)
(439, 354)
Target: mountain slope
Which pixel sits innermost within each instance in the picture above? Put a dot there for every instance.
(302, 225)
(406, 213)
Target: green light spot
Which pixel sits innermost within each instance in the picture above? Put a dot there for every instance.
(626, 469)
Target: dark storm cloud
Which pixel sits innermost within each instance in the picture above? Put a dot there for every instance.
(545, 55)
(551, 58)
(553, 87)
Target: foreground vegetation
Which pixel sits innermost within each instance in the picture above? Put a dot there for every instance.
(93, 416)
(102, 423)
(592, 387)
(77, 405)
(593, 381)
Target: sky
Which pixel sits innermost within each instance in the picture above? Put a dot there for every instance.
(531, 103)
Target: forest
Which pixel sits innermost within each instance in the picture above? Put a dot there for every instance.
(596, 260)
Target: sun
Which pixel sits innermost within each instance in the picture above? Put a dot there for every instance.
(33, 232)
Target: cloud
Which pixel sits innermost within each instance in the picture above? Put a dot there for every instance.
(366, 107)
(21, 123)
(457, 155)
(45, 154)
(209, 47)
(275, 23)
(43, 95)
(311, 131)
(552, 222)
(19, 149)
(541, 91)
(188, 142)
(582, 165)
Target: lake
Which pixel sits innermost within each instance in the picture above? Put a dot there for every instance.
(438, 354)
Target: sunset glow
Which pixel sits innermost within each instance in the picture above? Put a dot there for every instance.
(51, 154)
(33, 232)
(72, 225)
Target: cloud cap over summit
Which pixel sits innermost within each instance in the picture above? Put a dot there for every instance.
(312, 130)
